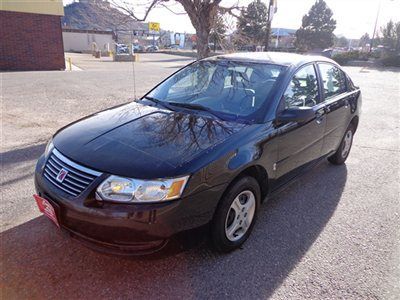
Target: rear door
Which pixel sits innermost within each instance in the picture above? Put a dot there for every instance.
(300, 143)
(337, 100)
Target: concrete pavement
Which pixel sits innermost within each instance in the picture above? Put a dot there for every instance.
(334, 233)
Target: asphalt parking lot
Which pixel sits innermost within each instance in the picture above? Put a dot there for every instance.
(334, 233)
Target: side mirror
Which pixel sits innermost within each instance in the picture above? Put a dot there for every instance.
(296, 114)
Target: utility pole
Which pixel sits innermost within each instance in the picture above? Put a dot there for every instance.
(277, 38)
(268, 32)
(376, 23)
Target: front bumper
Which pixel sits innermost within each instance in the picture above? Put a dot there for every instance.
(126, 228)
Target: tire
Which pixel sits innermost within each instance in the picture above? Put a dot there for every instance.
(341, 154)
(236, 214)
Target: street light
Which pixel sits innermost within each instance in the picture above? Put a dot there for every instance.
(376, 23)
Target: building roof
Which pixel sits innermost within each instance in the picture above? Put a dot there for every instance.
(280, 58)
(47, 7)
(282, 32)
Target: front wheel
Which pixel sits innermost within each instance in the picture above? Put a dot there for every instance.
(343, 151)
(236, 215)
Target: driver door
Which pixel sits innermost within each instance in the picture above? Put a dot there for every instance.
(300, 143)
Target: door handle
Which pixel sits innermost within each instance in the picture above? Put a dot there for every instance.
(319, 116)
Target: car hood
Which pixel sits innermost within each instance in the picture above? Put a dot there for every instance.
(141, 141)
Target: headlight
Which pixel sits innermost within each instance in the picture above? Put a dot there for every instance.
(49, 147)
(129, 190)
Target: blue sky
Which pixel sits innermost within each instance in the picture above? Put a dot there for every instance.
(354, 17)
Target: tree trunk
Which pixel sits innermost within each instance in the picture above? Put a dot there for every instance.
(203, 34)
(201, 14)
(267, 37)
(268, 31)
(215, 42)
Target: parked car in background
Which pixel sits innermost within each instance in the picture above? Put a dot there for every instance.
(204, 148)
(172, 47)
(247, 48)
(151, 48)
(331, 52)
(122, 49)
(138, 48)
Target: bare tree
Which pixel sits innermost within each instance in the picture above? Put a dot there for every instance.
(201, 14)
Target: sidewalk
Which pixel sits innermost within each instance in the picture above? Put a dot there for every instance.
(85, 62)
(69, 66)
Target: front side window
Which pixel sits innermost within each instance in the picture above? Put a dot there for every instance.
(303, 89)
(333, 79)
(230, 88)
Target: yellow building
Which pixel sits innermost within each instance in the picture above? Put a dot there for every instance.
(30, 35)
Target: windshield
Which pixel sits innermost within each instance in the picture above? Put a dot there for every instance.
(221, 87)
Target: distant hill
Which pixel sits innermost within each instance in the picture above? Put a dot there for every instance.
(98, 15)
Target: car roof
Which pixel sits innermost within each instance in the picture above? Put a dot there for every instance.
(280, 58)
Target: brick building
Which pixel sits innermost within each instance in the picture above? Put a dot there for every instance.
(30, 35)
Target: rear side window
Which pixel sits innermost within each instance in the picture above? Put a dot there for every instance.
(333, 80)
(303, 89)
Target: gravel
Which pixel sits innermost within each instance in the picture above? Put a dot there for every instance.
(334, 233)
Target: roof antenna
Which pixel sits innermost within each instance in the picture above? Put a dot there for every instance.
(134, 77)
(133, 69)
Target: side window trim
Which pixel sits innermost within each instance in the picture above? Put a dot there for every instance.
(321, 83)
(281, 105)
(321, 95)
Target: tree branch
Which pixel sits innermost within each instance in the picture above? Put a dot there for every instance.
(174, 12)
(125, 7)
(231, 11)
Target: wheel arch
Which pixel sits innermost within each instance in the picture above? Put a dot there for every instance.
(354, 121)
(259, 173)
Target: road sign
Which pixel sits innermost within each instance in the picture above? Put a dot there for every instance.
(153, 26)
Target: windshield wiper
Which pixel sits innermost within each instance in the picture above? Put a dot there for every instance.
(155, 100)
(196, 107)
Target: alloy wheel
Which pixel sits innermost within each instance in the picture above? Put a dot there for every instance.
(347, 141)
(240, 215)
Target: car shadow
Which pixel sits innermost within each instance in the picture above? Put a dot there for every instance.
(39, 262)
(19, 155)
(19, 161)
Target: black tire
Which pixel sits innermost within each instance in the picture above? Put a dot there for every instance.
(218, 226)
(339, 157)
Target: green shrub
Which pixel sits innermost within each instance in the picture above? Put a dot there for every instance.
(344, 58)
(390, 61)
(341, 58)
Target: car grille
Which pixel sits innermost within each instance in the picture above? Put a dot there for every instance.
(77, 177)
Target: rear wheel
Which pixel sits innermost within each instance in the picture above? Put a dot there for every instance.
(236, 215)
(343, 151)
